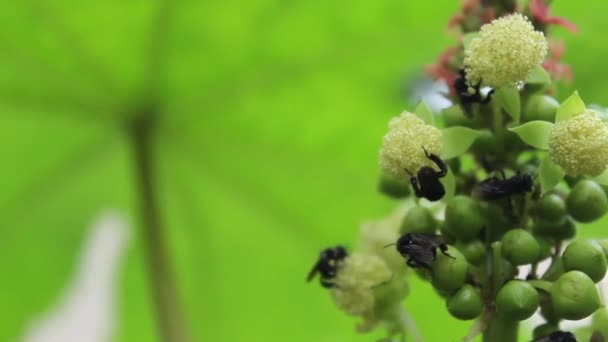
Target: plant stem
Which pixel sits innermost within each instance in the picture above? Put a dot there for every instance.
(501, 329)
(171, 324)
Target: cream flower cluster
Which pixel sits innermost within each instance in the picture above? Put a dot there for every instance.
(505, 52)
(402, 147)
(579, 145)
(371, 282)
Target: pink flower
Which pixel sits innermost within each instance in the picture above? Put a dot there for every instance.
(540, 11)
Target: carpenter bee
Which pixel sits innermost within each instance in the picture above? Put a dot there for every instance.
(466, 98)
(329, 261)
(427, 184)
(557, 336)
(421, 249)
(495, 188)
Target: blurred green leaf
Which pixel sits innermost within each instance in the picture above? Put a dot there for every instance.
(449, 184)
(539, 75)
(550, 174)
(535, 133)
(457, 140)
(572, 106)
(602, 178)
(508, 98)
(425, 113)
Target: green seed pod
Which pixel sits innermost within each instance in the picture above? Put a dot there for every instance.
(587, 201)
(574, 296)
(466, 303)
(517, 300)
(540, 107)
(558, 230)
(551, 208)
(544, 330)
(474, 251)
(463, 218)
(519, 247)
(419, 220)
(449, 274)
(392, 187)
(586, 256)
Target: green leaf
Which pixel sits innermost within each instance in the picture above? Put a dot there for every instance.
(539, 75)
(535, 133)
(602, 178)
(468, 38)
(508, 98)
(550, 174)
(457, 140)
(449, 184)
(572, 106)
(425, 113)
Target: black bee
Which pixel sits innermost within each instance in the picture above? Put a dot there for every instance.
(430, 187)
(495, 188)
(467, 99)
(327, 265)
(420, 249)
(557, 336)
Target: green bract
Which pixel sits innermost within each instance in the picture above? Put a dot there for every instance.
(586, 256)
(574, 296)
(466, 303)
(517, 300)
(519, 247)
(419, 220)
(449, 274)
(587, 201)
(463, 218)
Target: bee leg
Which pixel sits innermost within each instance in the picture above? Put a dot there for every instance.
(444, 250)
(327, 284)
(440, 163)
(416, 188)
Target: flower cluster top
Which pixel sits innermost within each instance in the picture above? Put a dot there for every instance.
(505, 52)
(579, 145)
(402, 147)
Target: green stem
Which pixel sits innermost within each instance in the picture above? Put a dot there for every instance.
(497, 269)
(501, 329)
(171, 323)
(499, 128)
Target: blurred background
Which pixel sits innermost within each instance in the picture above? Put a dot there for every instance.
(255, 126)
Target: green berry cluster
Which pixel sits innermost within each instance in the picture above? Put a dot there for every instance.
(495, 183)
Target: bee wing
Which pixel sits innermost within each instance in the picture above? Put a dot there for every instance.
(428, 241)
(489, 189)
(420, 253)
(312, 272)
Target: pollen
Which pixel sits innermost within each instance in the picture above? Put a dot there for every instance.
(505, 52)
(355, 283)
(579, 145)
(402, 147)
